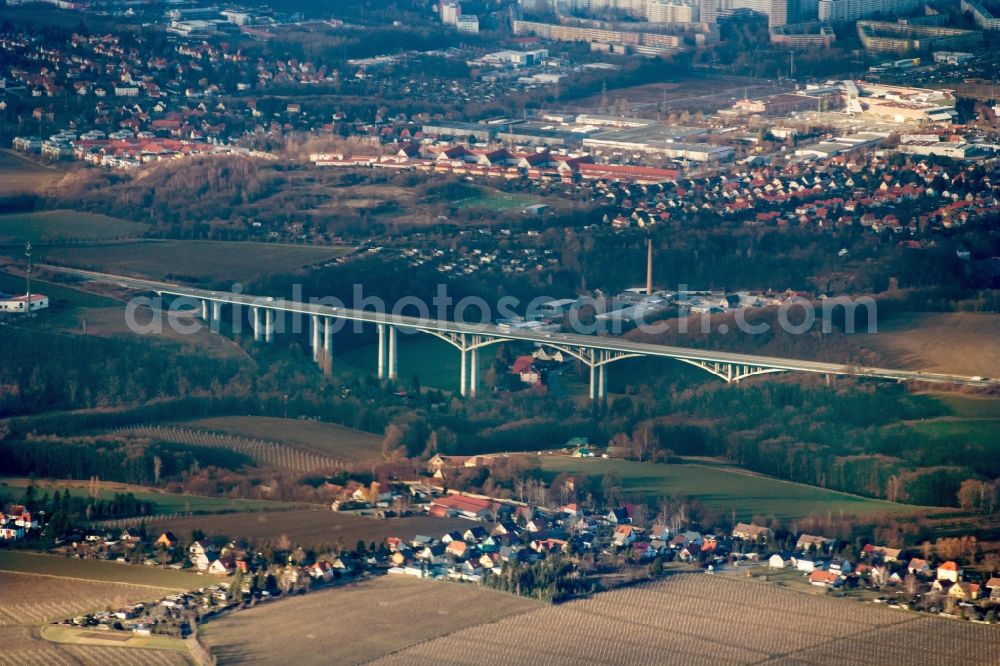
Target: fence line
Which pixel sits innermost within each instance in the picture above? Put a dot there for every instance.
(265, 452)
(135, 521)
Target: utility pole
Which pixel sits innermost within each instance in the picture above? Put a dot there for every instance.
(27, 275)
(649, 266)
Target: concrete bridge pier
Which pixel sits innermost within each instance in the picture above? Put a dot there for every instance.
(268, 325)
(474, 369)
(602, 383)
(393, 358)
(255, 315)
(328, 340)
(381, 350)
(216, 316)
(592, 383)
(204, 311)
(314, 337)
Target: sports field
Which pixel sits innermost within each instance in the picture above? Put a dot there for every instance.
(65, 225)
(194, 260)
(497, 201)
(724, 489)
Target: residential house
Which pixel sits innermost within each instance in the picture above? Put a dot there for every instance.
(964, 591)
(841, 567)
(458, 549)
(881, 552)
(818, 543)
(694, 538)
(919, 567)
(804, 564)
(779, 561)
(949, 571)
(536, 525)
(625, 534)
(475, 534)
(167, 540)
(993, 585)
(659, 531)
(490, 560)
(465, 506)
(824, 579)
(751, 532)
(223, 566)
(198, 554)
(11, 532)
(505, 528)
(321, 571)
(618, 516)
(128, 539)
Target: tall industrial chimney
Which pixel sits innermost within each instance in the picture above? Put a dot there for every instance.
(649, 266)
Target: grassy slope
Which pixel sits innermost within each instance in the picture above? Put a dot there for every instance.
(313, 527)
(18, 174)
(956, 342)
(724, 489)
(968, 423)
(96, 570)
(164, 502)
(327, 438)
(59, 295)
(213, 260)
(54, 225)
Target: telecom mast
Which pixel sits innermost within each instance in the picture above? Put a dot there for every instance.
(27, 275)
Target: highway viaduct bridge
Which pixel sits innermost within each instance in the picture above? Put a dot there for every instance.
(595, 352)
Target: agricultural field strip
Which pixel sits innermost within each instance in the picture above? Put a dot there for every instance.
(813, 630)
(50, 654)
(81, 579)
(54, 600)
(266, 452)
(94, 572)
(325, 439)
(910, 642)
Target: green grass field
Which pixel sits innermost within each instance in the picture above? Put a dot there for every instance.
(96, 570)
(164, 502)
(59, 295)
(198, 260)
(724, 489)
(326, 438)
(57, 225)
(434, 361)
(982, 432)
(59, 633)
(497, 201)
(967, 406)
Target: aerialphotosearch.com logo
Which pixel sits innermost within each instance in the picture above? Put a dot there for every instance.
(683, 311)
